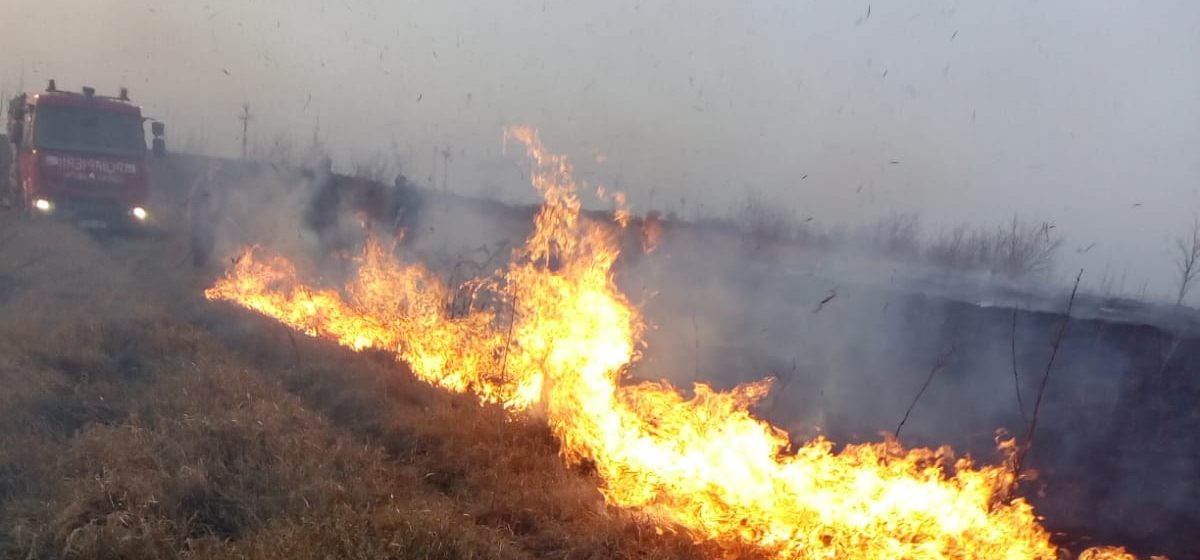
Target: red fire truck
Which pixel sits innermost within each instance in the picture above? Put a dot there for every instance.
(81, 156)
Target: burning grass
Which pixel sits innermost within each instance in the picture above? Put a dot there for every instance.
(700, 464)
(136, 422)
(128, 430)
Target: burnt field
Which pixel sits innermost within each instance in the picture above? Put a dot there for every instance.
(139, 420)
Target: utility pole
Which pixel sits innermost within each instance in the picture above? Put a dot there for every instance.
(245, 118)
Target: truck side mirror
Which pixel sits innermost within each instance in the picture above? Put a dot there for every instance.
(158, 128)
(159, 147)
(16, 133)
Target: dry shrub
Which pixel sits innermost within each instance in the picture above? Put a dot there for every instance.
(1018, 250)
(764, 224)
(376, 168)
(896, 235)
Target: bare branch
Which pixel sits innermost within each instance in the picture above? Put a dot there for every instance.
(939, 365)
(1037, 405)
(1016, 377)
(1189, 254)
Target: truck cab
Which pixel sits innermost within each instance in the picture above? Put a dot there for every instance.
(81, 156)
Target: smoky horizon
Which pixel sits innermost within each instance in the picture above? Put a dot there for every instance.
(1076, 114)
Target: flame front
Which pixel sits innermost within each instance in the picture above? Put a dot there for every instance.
(700, 463)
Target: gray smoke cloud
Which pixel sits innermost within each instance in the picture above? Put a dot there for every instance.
(1075, 113)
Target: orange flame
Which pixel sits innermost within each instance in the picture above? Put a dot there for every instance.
(700, 463)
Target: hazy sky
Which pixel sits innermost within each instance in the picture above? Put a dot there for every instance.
(1071, 111)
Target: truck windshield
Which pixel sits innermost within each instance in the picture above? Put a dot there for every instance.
(80, 129)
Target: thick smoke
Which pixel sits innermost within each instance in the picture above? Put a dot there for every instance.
(853, 337)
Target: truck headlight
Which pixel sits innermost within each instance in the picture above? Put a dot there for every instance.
(43, 205)
(139, 213)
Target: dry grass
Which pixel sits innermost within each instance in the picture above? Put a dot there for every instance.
(503, 473)
(139, 422)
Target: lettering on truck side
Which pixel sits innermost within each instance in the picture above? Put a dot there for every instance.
(91, 169)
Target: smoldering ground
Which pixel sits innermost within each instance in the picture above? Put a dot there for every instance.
(853, 338)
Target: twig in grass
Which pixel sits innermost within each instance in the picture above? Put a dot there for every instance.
(1037, 405)
(508, 342)
(28, 263)
(1016, 377)
(295, 347)
(453, 293)
(939, 365)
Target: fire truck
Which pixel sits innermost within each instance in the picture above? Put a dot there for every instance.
(81, 156)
